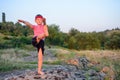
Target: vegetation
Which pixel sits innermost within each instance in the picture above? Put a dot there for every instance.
(11, 59)
(17, 35)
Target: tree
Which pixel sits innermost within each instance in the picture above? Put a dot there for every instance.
(102, 39)
(72, 43)
(73, 32)
(113, 41)
(55, 37)
(7, 27)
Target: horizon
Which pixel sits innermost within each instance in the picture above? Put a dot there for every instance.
(63, 31)
(85, 16)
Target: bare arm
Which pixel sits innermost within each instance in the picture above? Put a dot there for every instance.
(45, 28)
(26, 23)
(46, 31)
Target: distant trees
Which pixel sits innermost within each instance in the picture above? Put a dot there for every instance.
(55, 37)
(15, 35)
(9, 28)
(79, 40)
(113, 41)
(6, 27)
(74, 39)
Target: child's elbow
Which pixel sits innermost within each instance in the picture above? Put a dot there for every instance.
(47, 35)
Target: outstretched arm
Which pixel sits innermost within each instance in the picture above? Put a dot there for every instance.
(26, 23)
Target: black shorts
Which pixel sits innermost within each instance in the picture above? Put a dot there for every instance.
(38, 45)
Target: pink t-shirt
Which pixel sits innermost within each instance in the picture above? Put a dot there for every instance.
(38, 29)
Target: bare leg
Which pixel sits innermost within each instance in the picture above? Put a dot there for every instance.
(40, 60)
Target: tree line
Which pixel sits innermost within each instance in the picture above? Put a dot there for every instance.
(17, 35)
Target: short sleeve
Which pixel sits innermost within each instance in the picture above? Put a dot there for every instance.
(33, 26)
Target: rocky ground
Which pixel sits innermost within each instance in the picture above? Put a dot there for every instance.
(74, 69)
(58, 73)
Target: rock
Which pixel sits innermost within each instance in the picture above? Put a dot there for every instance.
(80, 62)
(102, 75)
(84, 61)
(92, 72)
(109, 72)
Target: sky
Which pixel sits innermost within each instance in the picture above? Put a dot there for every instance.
(83, 15)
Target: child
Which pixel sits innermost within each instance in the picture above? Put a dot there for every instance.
(40, 32)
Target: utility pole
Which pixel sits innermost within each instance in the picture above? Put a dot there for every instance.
(3, 17)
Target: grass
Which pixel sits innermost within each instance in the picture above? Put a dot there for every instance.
(13, 54)
(11, 59)
(62, 54)
(116, 66)
(9, 66)
(58, 62)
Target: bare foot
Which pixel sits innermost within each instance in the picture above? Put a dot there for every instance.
(41, 73)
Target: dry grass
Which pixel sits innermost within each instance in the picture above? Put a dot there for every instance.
(100, 54)
(100, 58)
(13, 54)
(11, 59)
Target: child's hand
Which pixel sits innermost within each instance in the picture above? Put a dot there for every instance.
(20, 21)
(38, 39)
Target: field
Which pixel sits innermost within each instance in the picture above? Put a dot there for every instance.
(99, 60)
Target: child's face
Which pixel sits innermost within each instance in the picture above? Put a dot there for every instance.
(39, 21)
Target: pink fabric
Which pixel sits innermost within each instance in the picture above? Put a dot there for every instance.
(38, 29)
